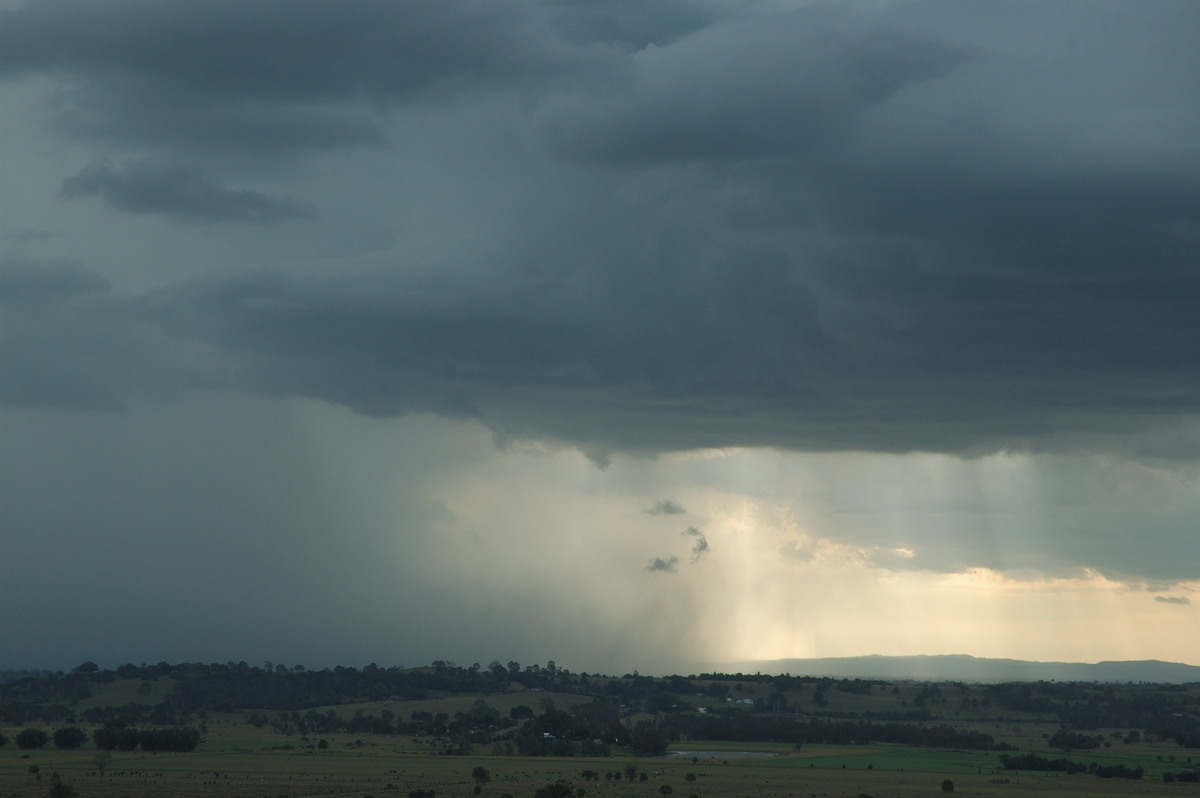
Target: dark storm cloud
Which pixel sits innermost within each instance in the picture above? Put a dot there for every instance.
(668, 566)
(767, 85)
(816, 228)
(58, 336)
(630, 23)
(912, 360)
(271, 73)
(31, 236)
(177, 191)
(665, 507)
(72, 341)
(26, 282)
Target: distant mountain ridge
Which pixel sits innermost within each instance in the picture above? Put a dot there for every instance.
(966, 668)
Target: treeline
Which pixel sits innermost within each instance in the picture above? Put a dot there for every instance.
(236, 686)
(782, 729)
(173, 738)
(746, 704)
(112, 738)
(232, 686)
(592, 729)
(164, 713)
(1192, 776)
(226, 689)
(1091, 706)
(1034, 762)
(480, 718)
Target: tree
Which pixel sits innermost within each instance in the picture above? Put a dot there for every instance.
(646, 740)
(59, 788)
(118, 737)
(557, 789)
(481, 775)
(68, 738)
(947, 786)
(179, 739)
(32, 738)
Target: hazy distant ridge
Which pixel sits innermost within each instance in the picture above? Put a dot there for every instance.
(965, 668)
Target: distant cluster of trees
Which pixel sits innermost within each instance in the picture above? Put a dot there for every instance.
(32, 738)
(1034, 762)
(234, 686)
(170, 738)
(1068, 739)
(1183, 775)
(110, 738)
(781, 728)
(1159, 709)
(481, 719)
(591, 729)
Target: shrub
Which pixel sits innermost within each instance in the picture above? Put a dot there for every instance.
(32, 738)
(68, 738)
(557, 789)
(59, 788)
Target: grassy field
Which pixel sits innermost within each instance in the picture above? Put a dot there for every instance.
(240, 761)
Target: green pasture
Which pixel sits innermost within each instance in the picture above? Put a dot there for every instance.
(237, 760)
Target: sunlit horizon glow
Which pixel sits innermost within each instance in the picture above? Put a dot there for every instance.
(783, 576)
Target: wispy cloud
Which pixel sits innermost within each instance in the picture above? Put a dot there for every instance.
(700, 546)
(670, 565)
(179, 191)
(1173, 599)
(665, 507)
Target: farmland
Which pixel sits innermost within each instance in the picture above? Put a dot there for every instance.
(424, 740)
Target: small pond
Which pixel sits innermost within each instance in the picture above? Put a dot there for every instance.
(718, 754)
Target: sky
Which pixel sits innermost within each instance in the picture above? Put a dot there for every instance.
(636, 336)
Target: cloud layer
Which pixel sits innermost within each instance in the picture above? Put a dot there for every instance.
(898, 289)
(142, 187)
(808, 227)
